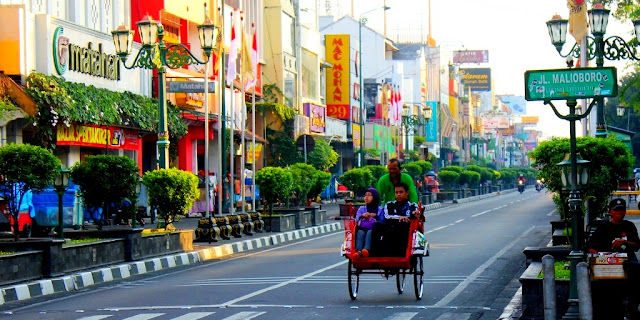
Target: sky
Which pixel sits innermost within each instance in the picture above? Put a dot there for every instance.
(514, 32)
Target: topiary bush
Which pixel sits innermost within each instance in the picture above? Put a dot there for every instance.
(377, 171)
(357, 180)
(425, 165)
(456, 169)
(275, 183)
(103, 180)
(449, 178)
(414, 170)
(172, 192)
(321, 180)
(469, 177)
(23, 168)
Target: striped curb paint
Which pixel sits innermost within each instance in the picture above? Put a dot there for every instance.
(78, 281)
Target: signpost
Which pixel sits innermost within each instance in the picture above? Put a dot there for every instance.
(566, 84)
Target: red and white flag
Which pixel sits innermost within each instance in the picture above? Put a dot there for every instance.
(233, 51)
(254, 61)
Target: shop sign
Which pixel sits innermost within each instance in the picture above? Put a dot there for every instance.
(87, 135)
(471, 56)
(338, 93)
(88, 60)
(316, 116)
(477, 79)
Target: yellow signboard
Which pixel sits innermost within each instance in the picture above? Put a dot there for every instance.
(530, 119)
(338, 93)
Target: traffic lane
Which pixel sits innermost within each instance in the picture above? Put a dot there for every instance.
(210, 284)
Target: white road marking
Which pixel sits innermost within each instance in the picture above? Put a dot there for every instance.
(458, 221)
(98, 317)
(551, 213)
(261, 291)
(463, 285)
(402, 316)
(244, 315)
(193, 316)
(436, 229)
(144, 316)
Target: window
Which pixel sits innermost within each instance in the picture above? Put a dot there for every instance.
(309, 75)
(290, 88)
(288, 34)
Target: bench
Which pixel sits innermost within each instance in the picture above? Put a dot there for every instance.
(207, 231)
(235, 224)
(257, 222)
(247, 226)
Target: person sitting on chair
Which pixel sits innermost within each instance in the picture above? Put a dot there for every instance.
(396, 217)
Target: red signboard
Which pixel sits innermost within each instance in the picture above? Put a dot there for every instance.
(87, 135)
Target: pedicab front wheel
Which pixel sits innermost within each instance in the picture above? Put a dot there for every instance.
(354, 280)
(400, 275)
(418, 274)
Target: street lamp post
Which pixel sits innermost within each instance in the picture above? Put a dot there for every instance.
(362, 21)
(411, 122)
(159, 56)
(571, 182)
(135, 212)
(620, 109)
(475, 138)
(611, 48)
(60, 184)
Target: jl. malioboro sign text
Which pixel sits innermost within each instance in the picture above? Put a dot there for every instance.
(565, 84)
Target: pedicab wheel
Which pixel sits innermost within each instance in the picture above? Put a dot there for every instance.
(400, 275)
(418, 273)
(354, 281)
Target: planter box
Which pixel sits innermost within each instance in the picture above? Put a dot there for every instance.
(92, 255)
(319, 217)
(447, 196)
(284, 222)
(532, 293)
(302, 216)
(496, 188)
(535, 254)
(161, 244)
(20, 266)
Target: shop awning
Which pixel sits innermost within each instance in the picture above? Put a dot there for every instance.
(447, 120)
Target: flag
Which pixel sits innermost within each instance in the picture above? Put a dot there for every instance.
(218, 47)
(246, 67)
(233, 53)
(578, 24)
(254, 61)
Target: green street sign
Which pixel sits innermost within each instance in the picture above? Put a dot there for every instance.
(565, 84)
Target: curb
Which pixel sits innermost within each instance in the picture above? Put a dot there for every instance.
(78, 281)
(488, 195)
(432, 206)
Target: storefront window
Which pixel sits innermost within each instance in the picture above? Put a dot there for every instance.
(309, 75)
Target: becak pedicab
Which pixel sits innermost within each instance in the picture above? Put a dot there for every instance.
(410, 264)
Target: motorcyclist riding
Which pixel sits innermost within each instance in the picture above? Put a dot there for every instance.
(521, 182)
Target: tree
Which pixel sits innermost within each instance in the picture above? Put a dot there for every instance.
(469, 177)
(357, 180)
(103, 180)
(303, 180)
(23, 168)
(414, 170)
(172, 192)
(425, 165)
(321, 180)
(283, 150)
(274, 183)
(609, 161)
(323, 156)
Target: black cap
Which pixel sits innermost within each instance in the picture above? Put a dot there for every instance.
(617, 204)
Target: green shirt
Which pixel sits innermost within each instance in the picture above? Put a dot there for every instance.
(387, 190)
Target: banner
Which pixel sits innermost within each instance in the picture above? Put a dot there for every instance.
(432, 125)
(97, 137)
(249, 156)
(338, 93)
(495, 122)
(478, 79)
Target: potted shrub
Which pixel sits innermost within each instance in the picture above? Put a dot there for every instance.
(274, 183)
(23, 168)
(105, 180)
(303, 181)
(357, 180)
(377, 171)
(171, 192)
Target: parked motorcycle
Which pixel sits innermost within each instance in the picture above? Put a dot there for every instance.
(521, 186)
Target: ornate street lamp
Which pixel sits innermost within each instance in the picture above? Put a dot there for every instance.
(611, 48)
(60, 184)
(155, 54)
(582, 182)
(410, 123)
(361, 22)
(620, 109)
(135, 212)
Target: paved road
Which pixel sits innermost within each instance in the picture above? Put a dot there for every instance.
(476, 255)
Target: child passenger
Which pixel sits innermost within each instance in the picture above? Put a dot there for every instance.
(366, 216)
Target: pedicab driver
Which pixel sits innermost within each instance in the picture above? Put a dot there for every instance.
(386, 184)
